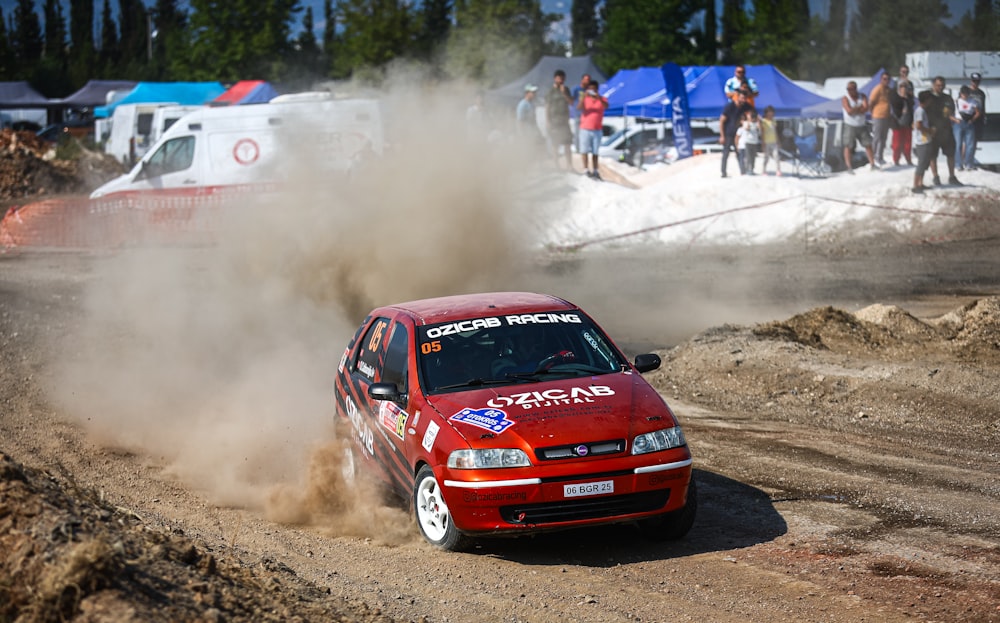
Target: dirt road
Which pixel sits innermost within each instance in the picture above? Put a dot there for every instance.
(847, 463)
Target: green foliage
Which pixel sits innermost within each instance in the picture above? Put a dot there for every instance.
(585, 26)
(375, 32)
(496, 40)
(235, 39)
(26, 36)
(883, 31)
(646, 33)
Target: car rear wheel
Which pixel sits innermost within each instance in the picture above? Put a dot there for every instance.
(433, 515)
(672, 526)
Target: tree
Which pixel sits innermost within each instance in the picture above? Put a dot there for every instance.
(776, 34)
(375, 32)
(26, 36)
(83, 57)
(434, 19)
(108, 54)
(823, 50)
(495, 40)
(980, 30)
(235, 39)
(735, 25)
(585, 28)
(55, 31)
(308, 57)
(7, 62)
(883, 31)
(169, 41)
(646, 33)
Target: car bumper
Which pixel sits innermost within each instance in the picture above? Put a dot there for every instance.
(557, 501)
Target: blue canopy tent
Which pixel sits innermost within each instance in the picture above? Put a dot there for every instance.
(706, 93)
(833, 109)
(184, 93)
(631, 84)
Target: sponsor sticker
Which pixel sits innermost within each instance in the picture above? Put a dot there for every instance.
(453, 328)
(602, 487)
(392, 417)
(430, 435)
(552, 397)
(493, 420)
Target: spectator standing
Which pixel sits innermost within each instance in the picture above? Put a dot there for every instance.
(740, 82)
(904, 80)
(980, 125)
(902, 131)
(879, 106)
(922, 135)
(574, 113)
(941, 116)
(557, 105)
(750, 140)
(769, 137)
(527, 124)
(967, 108)
(729, 124)
(855, 105)
(591, 106)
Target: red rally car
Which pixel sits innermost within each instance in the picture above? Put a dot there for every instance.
(509, 413)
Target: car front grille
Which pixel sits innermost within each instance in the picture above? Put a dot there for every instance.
(589, 508)
(581, 450)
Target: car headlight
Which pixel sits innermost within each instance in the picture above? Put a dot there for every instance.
(662, 439)
(488, 458)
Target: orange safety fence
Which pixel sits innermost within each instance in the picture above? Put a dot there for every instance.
(83, 223)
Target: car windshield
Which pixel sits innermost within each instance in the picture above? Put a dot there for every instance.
(519, 348)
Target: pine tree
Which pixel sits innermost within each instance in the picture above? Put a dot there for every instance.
(735, 24)
(434, 20)
(109, 52)
(585, 28)
(980, 28)
(55, 31)
(7, 62)
(26, 37)
(496, 40)
(83, 56)
(308, 64)
(237, 39)
(169, 39)
(375, 32)
(883, 31)
(776, 34)
(647, 33)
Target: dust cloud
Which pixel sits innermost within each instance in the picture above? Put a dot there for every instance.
(218, 360)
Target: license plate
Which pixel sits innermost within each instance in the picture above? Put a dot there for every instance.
(589, 488)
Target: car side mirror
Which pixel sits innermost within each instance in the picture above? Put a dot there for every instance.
(647, 362)
(384, 391)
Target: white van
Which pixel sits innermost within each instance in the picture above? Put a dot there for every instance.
(253, 147)
(131, 131)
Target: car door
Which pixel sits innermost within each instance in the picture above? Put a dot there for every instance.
(383, 356)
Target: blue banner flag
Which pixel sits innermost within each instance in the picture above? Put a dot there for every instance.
(673, 78)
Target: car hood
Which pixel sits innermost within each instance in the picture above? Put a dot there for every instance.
(552, 413)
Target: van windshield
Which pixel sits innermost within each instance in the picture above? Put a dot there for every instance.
(174, 155)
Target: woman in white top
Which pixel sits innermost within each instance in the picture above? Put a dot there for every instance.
(966, 115)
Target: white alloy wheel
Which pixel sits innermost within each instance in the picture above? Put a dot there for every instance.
(432, 513)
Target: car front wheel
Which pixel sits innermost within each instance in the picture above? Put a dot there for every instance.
(672, 526)
(433, 515)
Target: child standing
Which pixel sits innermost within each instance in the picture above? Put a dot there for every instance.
(769, 135)
(750, 140)
(922, 133)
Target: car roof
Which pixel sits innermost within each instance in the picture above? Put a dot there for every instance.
(463, 306)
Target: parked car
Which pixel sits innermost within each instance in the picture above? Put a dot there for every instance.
(648, 143)
(77, 128)
(509, 414)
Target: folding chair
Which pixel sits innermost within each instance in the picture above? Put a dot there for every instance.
(806, 158)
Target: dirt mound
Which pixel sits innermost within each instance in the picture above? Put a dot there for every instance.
(66, 554)
(974, 329)
(829, 328)
(30, 167)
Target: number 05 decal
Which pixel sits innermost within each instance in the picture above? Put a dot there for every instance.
(431, 347)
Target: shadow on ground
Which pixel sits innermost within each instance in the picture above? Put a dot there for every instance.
(731, 515)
